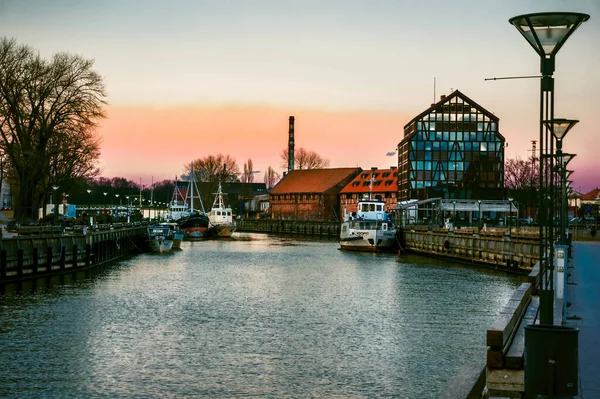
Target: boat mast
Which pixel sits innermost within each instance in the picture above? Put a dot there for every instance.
(373, 169)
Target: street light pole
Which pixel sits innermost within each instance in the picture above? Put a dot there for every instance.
(55, 200)
(559, 129)
(510, 200)
(546, 33)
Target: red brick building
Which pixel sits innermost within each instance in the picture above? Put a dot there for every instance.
(384, 186)
(312, 194)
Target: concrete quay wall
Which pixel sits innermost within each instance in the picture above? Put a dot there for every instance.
(295, 227)
(498, 249)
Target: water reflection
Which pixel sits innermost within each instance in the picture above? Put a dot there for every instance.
(255, 316)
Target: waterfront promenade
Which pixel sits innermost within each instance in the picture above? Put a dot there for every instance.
(583, 294)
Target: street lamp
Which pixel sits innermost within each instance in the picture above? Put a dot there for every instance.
(546, 32)
(480, 222)
(54, 199)
(510, 200)
(559, 129)
(105, 205)
(454, 212)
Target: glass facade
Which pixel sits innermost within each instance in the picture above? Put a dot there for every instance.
(452, 150)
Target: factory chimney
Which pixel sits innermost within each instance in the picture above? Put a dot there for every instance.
(291, 145)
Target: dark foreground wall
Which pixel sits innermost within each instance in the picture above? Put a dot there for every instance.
(33, 255)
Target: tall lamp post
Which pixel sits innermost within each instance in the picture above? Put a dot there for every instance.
(55, 200)
(546, 32)
(510, 200)
(105, 207)
(559, 129)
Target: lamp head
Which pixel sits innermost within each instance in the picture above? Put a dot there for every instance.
(565, 158)
(560, 127)
(546, 32)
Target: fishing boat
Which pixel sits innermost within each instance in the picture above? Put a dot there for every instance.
(178, 207)
(192, 221)
(159, 239)
(177, 232)
(369, 229)
(220, 217)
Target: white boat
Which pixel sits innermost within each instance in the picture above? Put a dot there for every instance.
(159, 239)
(369, 229)
(220, 217)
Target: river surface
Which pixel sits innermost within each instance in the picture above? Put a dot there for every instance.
(259, 316)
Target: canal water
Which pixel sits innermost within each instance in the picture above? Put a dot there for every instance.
(258, 316)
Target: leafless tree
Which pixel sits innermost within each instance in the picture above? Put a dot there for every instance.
(49, 110)
(304, 159)
(271, 178)
(248, 175)
(520, 174)
(521, 181)
(213, 168)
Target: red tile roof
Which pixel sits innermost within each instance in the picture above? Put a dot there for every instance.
(384, 181)
(592, 195)
(313, 180)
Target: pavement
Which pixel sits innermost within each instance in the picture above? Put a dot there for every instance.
(583, 312)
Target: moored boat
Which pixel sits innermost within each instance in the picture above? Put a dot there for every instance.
(177, 232)
(195, 226)
(192, 221)
(220, 217)
(159, 239)
(369, 229)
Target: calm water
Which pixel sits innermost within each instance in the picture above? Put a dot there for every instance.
(256, 317)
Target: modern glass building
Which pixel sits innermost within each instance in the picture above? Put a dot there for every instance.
(452, 150)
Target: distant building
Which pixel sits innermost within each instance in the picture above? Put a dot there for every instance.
(377, 183)
(590, 204)
(452, 150)
(311, 194)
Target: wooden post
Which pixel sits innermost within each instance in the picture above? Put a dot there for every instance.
(74, 258)
(48, 259)
(20, 256)
(35, 260)
(3, 265)
(88, 254)
(62, 257)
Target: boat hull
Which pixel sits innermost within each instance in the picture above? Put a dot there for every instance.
(160, 246)
(221, 230)
(196, 227)
(369, 240)
(177, 238)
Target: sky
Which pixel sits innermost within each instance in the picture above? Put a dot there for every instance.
(188, 79)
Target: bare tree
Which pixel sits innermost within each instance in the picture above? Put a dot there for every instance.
(520, 174)
(271, 178)
(48, 114)
(521, 180)
(304, 159)
(215, 167)
(248, 175)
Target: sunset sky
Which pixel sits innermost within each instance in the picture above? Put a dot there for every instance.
(187, 79)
